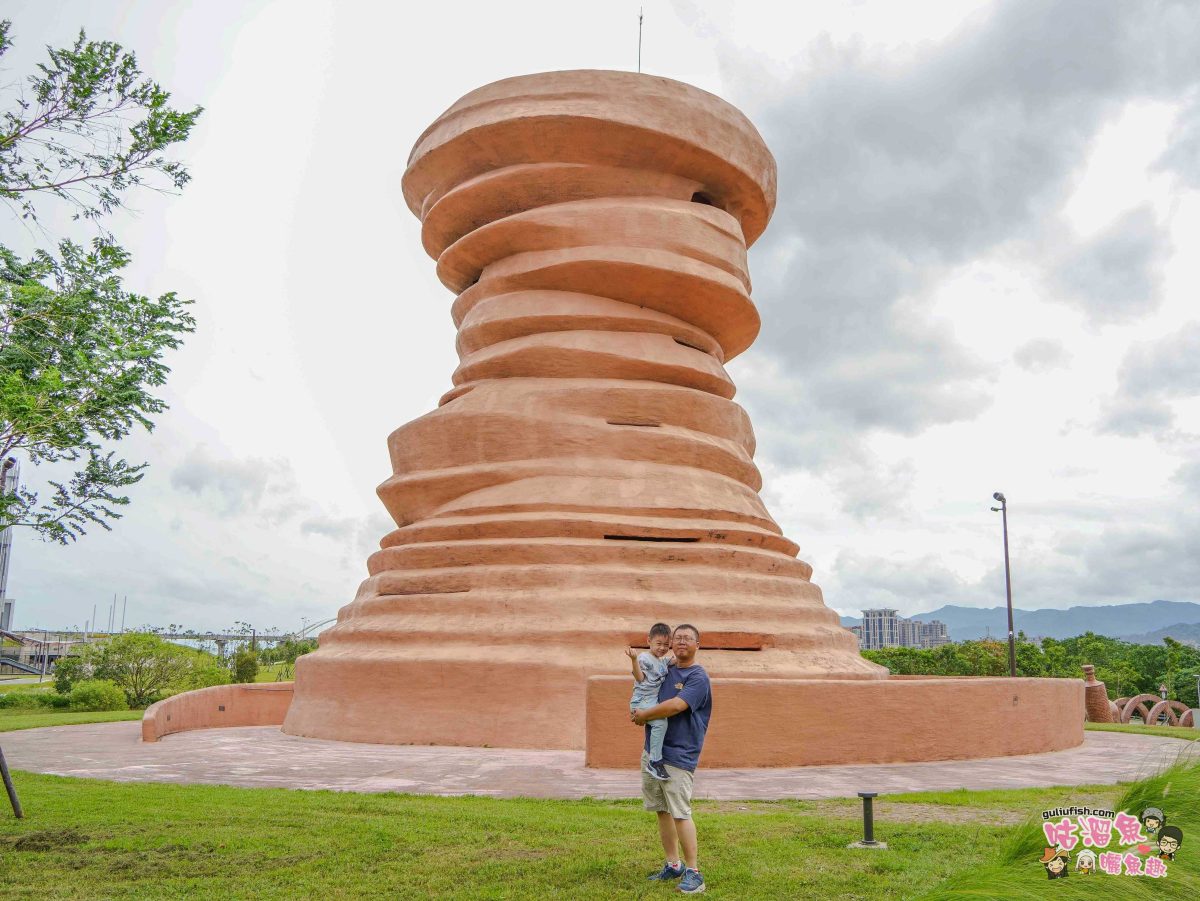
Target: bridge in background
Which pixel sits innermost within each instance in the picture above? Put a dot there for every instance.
(33, 646)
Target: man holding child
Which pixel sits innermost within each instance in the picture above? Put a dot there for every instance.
(685, 702)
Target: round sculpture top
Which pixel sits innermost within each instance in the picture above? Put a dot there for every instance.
(597, 118)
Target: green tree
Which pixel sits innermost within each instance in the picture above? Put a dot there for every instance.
(78, 358)
(87, 129)
(145, 667)
(245, 665)
(68, 671)
(288, 650)
(79, 355)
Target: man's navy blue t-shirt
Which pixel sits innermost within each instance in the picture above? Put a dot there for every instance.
(685, 731)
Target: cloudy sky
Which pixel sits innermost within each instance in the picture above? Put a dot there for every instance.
(977, 279)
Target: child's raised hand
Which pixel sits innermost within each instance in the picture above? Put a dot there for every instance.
(631, 653)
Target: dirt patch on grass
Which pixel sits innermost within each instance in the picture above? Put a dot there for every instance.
(46, 840)
(924, 813)
(884, 811)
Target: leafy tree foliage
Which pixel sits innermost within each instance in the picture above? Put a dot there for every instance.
(245, 665)
(288, 650)
(143, 665)
(68, 671)
(1125, 669)
(88, 129)
(77, 362)
(79, 355)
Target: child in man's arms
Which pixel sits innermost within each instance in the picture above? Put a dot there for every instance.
(649, 671)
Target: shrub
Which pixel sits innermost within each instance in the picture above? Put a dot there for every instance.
(30, 700)
(205, 675)
(98, 694)
(19, 700)
(245, 665)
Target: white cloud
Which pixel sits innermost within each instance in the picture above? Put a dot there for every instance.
(977, 278)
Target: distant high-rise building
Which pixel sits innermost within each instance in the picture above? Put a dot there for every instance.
(932, 634)
(879, 629)
(882, 628)
(6, 614)
(908, 633)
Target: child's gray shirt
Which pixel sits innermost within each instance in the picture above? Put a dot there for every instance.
(654, 671)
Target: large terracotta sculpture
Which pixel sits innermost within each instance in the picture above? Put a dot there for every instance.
(589, 472)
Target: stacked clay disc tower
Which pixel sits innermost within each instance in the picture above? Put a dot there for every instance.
(589, 473)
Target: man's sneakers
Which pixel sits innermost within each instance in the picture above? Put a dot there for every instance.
(656, 769)
(669, 872)
(692, 882)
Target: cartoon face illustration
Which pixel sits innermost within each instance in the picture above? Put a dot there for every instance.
(1085, 862)
(1169, 840)
(1055, 862)
(1153, 819)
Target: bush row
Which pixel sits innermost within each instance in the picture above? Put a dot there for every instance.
(90, 694)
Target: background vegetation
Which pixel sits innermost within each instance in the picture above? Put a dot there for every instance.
(1125, 669)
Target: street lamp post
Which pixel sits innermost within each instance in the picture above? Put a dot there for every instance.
(1012, 647)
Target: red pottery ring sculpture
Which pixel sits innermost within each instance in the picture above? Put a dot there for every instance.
(1140, 705)
(1162, 707)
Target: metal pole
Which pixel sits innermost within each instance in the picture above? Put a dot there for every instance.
(10, 788)
(1012, 647)
(45, 656)
(639, 39)
(94, 618)
(124, 604)
(868, 817)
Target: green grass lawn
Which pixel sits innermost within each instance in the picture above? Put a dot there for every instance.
(92, 839)
(27, 687)
(1186, 734)
(11, 720)
(275, 672)
(88, 839)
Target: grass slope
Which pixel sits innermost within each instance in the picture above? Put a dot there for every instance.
(89, 839)
(1016, 873)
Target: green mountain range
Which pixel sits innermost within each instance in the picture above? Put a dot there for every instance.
(1145, 623)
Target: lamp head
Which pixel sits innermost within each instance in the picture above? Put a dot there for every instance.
(998, 496)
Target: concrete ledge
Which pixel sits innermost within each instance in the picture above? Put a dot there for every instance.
(251, 704)
(806, 722)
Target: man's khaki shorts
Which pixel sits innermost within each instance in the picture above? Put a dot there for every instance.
(674, 797)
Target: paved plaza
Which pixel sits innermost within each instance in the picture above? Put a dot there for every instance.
(264, 757)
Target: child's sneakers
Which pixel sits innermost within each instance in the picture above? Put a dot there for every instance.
(657, 770)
